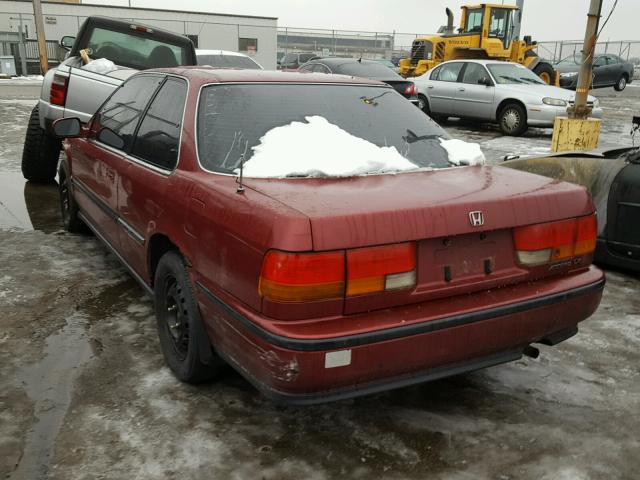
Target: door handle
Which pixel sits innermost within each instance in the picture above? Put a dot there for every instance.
(461, 89)
(430, 87)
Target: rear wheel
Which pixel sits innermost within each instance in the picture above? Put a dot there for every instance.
(622, 83)
(546, 72)
(40, 153)
(181, 334)
(513, 119)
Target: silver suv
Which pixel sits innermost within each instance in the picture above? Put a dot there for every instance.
(80, 84)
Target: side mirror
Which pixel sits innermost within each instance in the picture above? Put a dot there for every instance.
(111, 138)
(67, 128)
(484, 81)
(67, 42)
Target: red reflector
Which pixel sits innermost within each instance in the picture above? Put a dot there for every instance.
(299, 277)
(58, 94)
(377, 269)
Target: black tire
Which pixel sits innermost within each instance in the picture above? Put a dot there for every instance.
(546, 72)
(513, 119)
(182, 336)
(423, 104)
(68, 206)
(622, 83)
(40, 153)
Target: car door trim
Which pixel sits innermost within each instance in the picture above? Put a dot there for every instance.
(396, 332)
(110, 212)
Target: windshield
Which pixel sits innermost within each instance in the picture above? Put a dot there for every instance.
(134, 50)
(571, 60)
(513, 74)
(233, 119)
(365, 69)
(227, 61)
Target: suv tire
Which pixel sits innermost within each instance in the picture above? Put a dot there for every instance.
(40, 153)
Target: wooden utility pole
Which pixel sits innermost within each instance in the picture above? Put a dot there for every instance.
(585, 78)
(42, 44)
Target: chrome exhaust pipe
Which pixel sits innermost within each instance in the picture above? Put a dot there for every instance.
(449, 21)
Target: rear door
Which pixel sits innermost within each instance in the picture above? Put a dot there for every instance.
(443, 87)
(147, 169)
(474, 100)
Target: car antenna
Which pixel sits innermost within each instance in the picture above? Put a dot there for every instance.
(240, 188)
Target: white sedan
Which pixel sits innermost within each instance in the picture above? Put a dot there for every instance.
(505, 93)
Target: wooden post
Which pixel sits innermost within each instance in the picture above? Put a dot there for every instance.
(42, 44)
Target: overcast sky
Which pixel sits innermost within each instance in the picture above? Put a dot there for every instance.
(543, 19)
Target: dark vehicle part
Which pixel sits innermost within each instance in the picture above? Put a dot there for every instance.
(68, 206)
(184, 343)
(40, 153)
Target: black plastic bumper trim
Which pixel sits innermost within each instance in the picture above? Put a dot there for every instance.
(398, 332)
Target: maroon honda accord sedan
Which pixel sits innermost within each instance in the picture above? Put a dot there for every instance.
(315, 286)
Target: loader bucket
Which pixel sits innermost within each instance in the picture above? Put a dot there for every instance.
(595, 174)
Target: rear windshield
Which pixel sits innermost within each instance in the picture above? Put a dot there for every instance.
(366, 70)
(228, 61)
(134, 50)
(232, 119)
(571, 60)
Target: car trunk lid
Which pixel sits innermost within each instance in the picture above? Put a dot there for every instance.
(458, 249)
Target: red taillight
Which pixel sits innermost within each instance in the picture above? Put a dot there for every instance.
(305, 277)
(302, 277)
(58, 94)
(549, 242)
(411, 89)
(379, 269)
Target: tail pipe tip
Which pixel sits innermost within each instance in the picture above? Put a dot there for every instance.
(530, 351)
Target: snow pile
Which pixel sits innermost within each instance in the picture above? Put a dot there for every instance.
(318, 148)
(463, 153)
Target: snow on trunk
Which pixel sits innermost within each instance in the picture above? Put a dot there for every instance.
(463, 153)
(318, 148)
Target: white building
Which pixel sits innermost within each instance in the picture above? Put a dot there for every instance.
(256, 36)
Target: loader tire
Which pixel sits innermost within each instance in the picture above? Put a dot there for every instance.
(546, 72)
(40, 153)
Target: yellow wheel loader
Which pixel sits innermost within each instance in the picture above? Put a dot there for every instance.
(487, 31)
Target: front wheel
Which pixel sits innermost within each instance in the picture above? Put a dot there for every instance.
(513, 119)
(40, 152)
(182, 336)
(68, 206)
(622, 83)
(423, 104)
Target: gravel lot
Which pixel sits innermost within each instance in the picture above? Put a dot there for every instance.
(84, 393)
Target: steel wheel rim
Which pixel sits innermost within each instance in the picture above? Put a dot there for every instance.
(421, 103)
(511, 120)
(176, 320)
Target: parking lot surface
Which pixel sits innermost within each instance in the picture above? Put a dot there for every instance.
(85, 394)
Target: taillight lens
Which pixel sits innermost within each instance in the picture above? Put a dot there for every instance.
(554, 241)
(58, 94)
(411, 89)
(302, 277)
(379, 269)
(306, 277)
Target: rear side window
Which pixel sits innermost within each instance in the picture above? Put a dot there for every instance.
(122, 112)
(158, 138)
(366, 70)
(134, 50)
(448, 72)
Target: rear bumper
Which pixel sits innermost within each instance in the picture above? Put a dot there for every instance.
(304, 370)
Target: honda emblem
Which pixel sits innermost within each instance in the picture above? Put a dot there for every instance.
(476, 218)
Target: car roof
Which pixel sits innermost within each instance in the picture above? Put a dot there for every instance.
(204, 74)
(220, 52)
(481, 62)
(336, 61)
